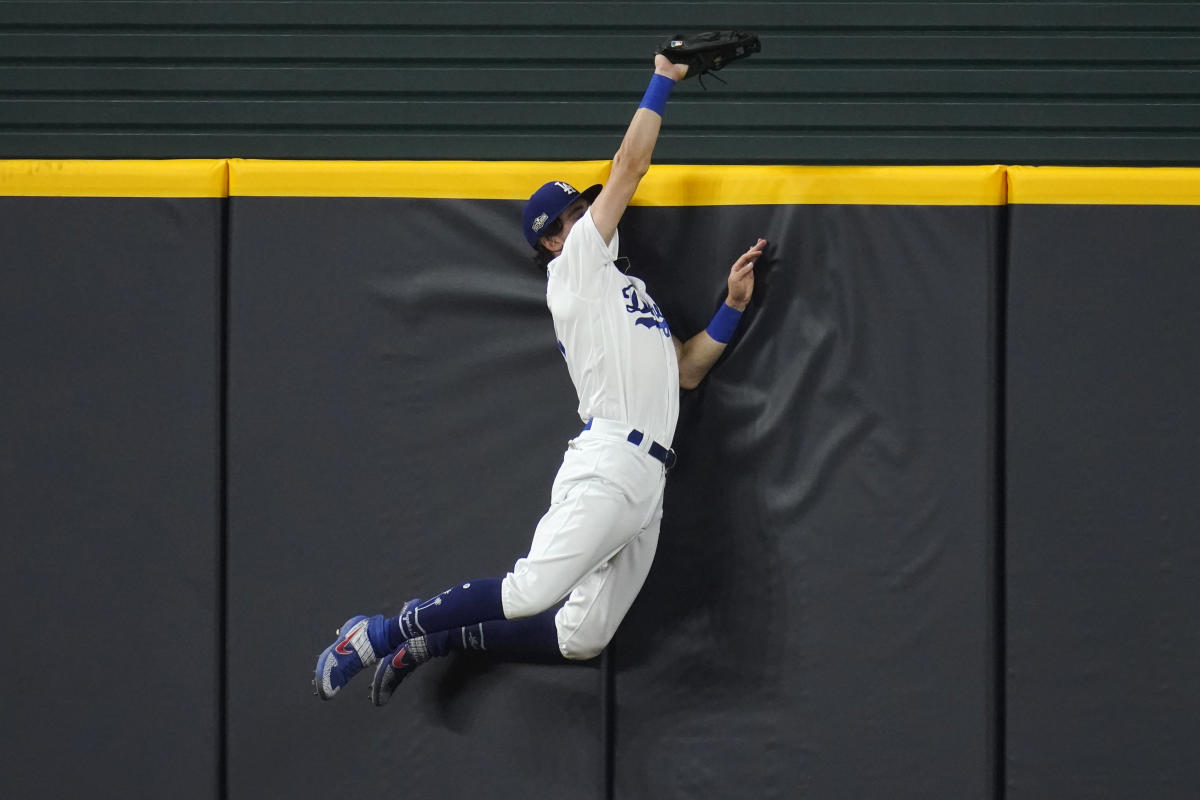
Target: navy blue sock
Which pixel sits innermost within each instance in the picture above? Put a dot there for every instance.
(391, 632)
(528, 639)
(461, 605)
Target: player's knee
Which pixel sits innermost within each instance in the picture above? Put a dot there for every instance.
(580, 642)
(582, 650)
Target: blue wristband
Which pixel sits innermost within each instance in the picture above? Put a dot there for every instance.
(657, 93)
(724, 323)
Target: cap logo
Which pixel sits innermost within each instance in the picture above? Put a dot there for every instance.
(540, 222)
(566, 187)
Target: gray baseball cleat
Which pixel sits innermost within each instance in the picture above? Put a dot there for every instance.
(396, 667)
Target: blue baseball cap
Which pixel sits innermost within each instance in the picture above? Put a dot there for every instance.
(548, 203)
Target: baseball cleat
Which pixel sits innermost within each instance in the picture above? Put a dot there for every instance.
(345, 658)
(396, 667)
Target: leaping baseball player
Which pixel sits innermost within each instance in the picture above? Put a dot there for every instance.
(595, 544)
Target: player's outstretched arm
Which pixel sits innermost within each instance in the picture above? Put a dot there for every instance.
(632, 160)
(698, 354)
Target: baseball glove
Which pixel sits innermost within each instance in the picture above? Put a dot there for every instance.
(707, 52)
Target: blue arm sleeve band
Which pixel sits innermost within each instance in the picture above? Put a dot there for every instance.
(657, 93)
(724, 323)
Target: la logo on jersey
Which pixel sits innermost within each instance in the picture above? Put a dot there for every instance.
(654, 316)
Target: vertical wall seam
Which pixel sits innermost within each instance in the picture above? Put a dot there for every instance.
(223, 503)
(1000, 500)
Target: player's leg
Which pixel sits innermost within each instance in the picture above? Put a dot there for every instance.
(593, 519)
(591, 516)
(589, 519)
(362, 641)
(529, 639)
(578, 631)
(593, 612)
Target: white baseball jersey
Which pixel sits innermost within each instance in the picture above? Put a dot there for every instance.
(617, 345)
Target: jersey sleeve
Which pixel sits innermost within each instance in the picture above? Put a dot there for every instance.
(582, 267)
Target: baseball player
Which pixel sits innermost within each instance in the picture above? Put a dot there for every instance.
(595, 544)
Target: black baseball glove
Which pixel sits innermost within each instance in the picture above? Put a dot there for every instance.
(707, 52)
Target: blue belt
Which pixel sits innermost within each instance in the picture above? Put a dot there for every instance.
(656, 450)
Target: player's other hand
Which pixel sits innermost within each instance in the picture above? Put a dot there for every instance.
(741, 276)
(663, 66)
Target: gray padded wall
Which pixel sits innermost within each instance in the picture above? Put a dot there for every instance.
(398, 412)
(1102, 554)
(109, 516)
(820, 620)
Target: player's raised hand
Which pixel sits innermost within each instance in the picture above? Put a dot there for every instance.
(663, 66)
(741, 276)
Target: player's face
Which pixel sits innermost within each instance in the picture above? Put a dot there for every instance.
(572, 215)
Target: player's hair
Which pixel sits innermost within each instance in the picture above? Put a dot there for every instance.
(542, 257)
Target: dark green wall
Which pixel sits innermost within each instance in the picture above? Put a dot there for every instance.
(837, 82)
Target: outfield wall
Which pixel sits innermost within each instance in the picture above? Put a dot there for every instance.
(929, 535)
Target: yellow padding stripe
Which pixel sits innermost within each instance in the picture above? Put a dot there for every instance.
(665, 185)
(177, 178)
(671, 185)
(475, 180)
(1133, 186)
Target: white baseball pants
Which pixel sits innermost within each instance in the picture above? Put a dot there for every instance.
(596, 542)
